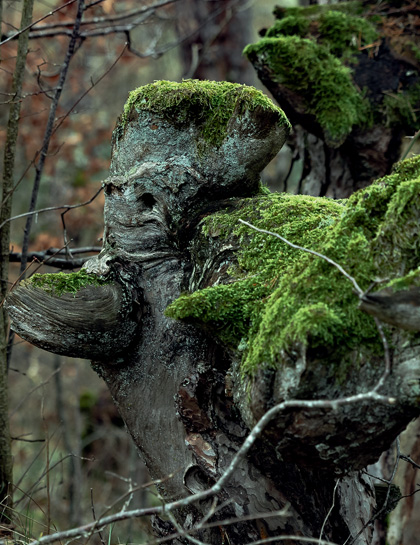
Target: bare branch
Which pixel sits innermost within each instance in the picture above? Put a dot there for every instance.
(65, 207)
(86, 529)
(410, 461)
(60, 263)
(329, 511)
(17, 34)
(50, 125)
(63, 118)
(292, 538)
(41, 30)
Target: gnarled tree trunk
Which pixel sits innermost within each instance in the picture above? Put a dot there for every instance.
(186, 158)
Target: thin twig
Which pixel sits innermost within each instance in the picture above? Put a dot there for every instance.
(183, 533)
(329, 511)
(409, 460)
(292, 538)
(39, 31)
(218, 486)
(92, 505)
(50, 125)
(322, 256)
(62, 119)
(17, 34)
(65, 207)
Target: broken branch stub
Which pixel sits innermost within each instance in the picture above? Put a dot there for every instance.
(91, 323)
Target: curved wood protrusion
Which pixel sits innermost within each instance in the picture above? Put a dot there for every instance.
(93, 323)
(400, 309)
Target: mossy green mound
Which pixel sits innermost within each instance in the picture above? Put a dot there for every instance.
(60, 283)
(322, 80)
(314, 52)
(282, 296)
(208, 104)
(342, 33)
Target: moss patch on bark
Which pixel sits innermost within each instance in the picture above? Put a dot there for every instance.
(280, 296)
(208, 104)
(60, 283)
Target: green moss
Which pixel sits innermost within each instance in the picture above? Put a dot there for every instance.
(402, 108)
(316, 50)
(281, 296)
(59, 283)
(344, 33)
(415, 49)
(323, 82)
(289, 26)
(87, 400)
(341, 32)
(352, 8)
(208, 104)
(412, 279)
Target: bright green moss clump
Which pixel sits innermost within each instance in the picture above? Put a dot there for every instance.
(59, 283)
(342, 33)
(310, 59)
(282, 296)
(289, 26)
(208, 104)
(345, 34)
(323, 82)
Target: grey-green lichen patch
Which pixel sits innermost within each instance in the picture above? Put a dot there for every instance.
(320, 78)
(208, 104)
(281, 296)
(60, 283)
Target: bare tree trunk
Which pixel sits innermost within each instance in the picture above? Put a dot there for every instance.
(6, 470)
(72, 444)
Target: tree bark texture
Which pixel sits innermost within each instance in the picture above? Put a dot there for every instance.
(178, 386)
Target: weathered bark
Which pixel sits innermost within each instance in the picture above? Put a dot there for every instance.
(96, 320)
(178, 388)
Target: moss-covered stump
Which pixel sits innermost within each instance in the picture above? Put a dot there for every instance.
(213, 323)
(294, 320)
(348, 74)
